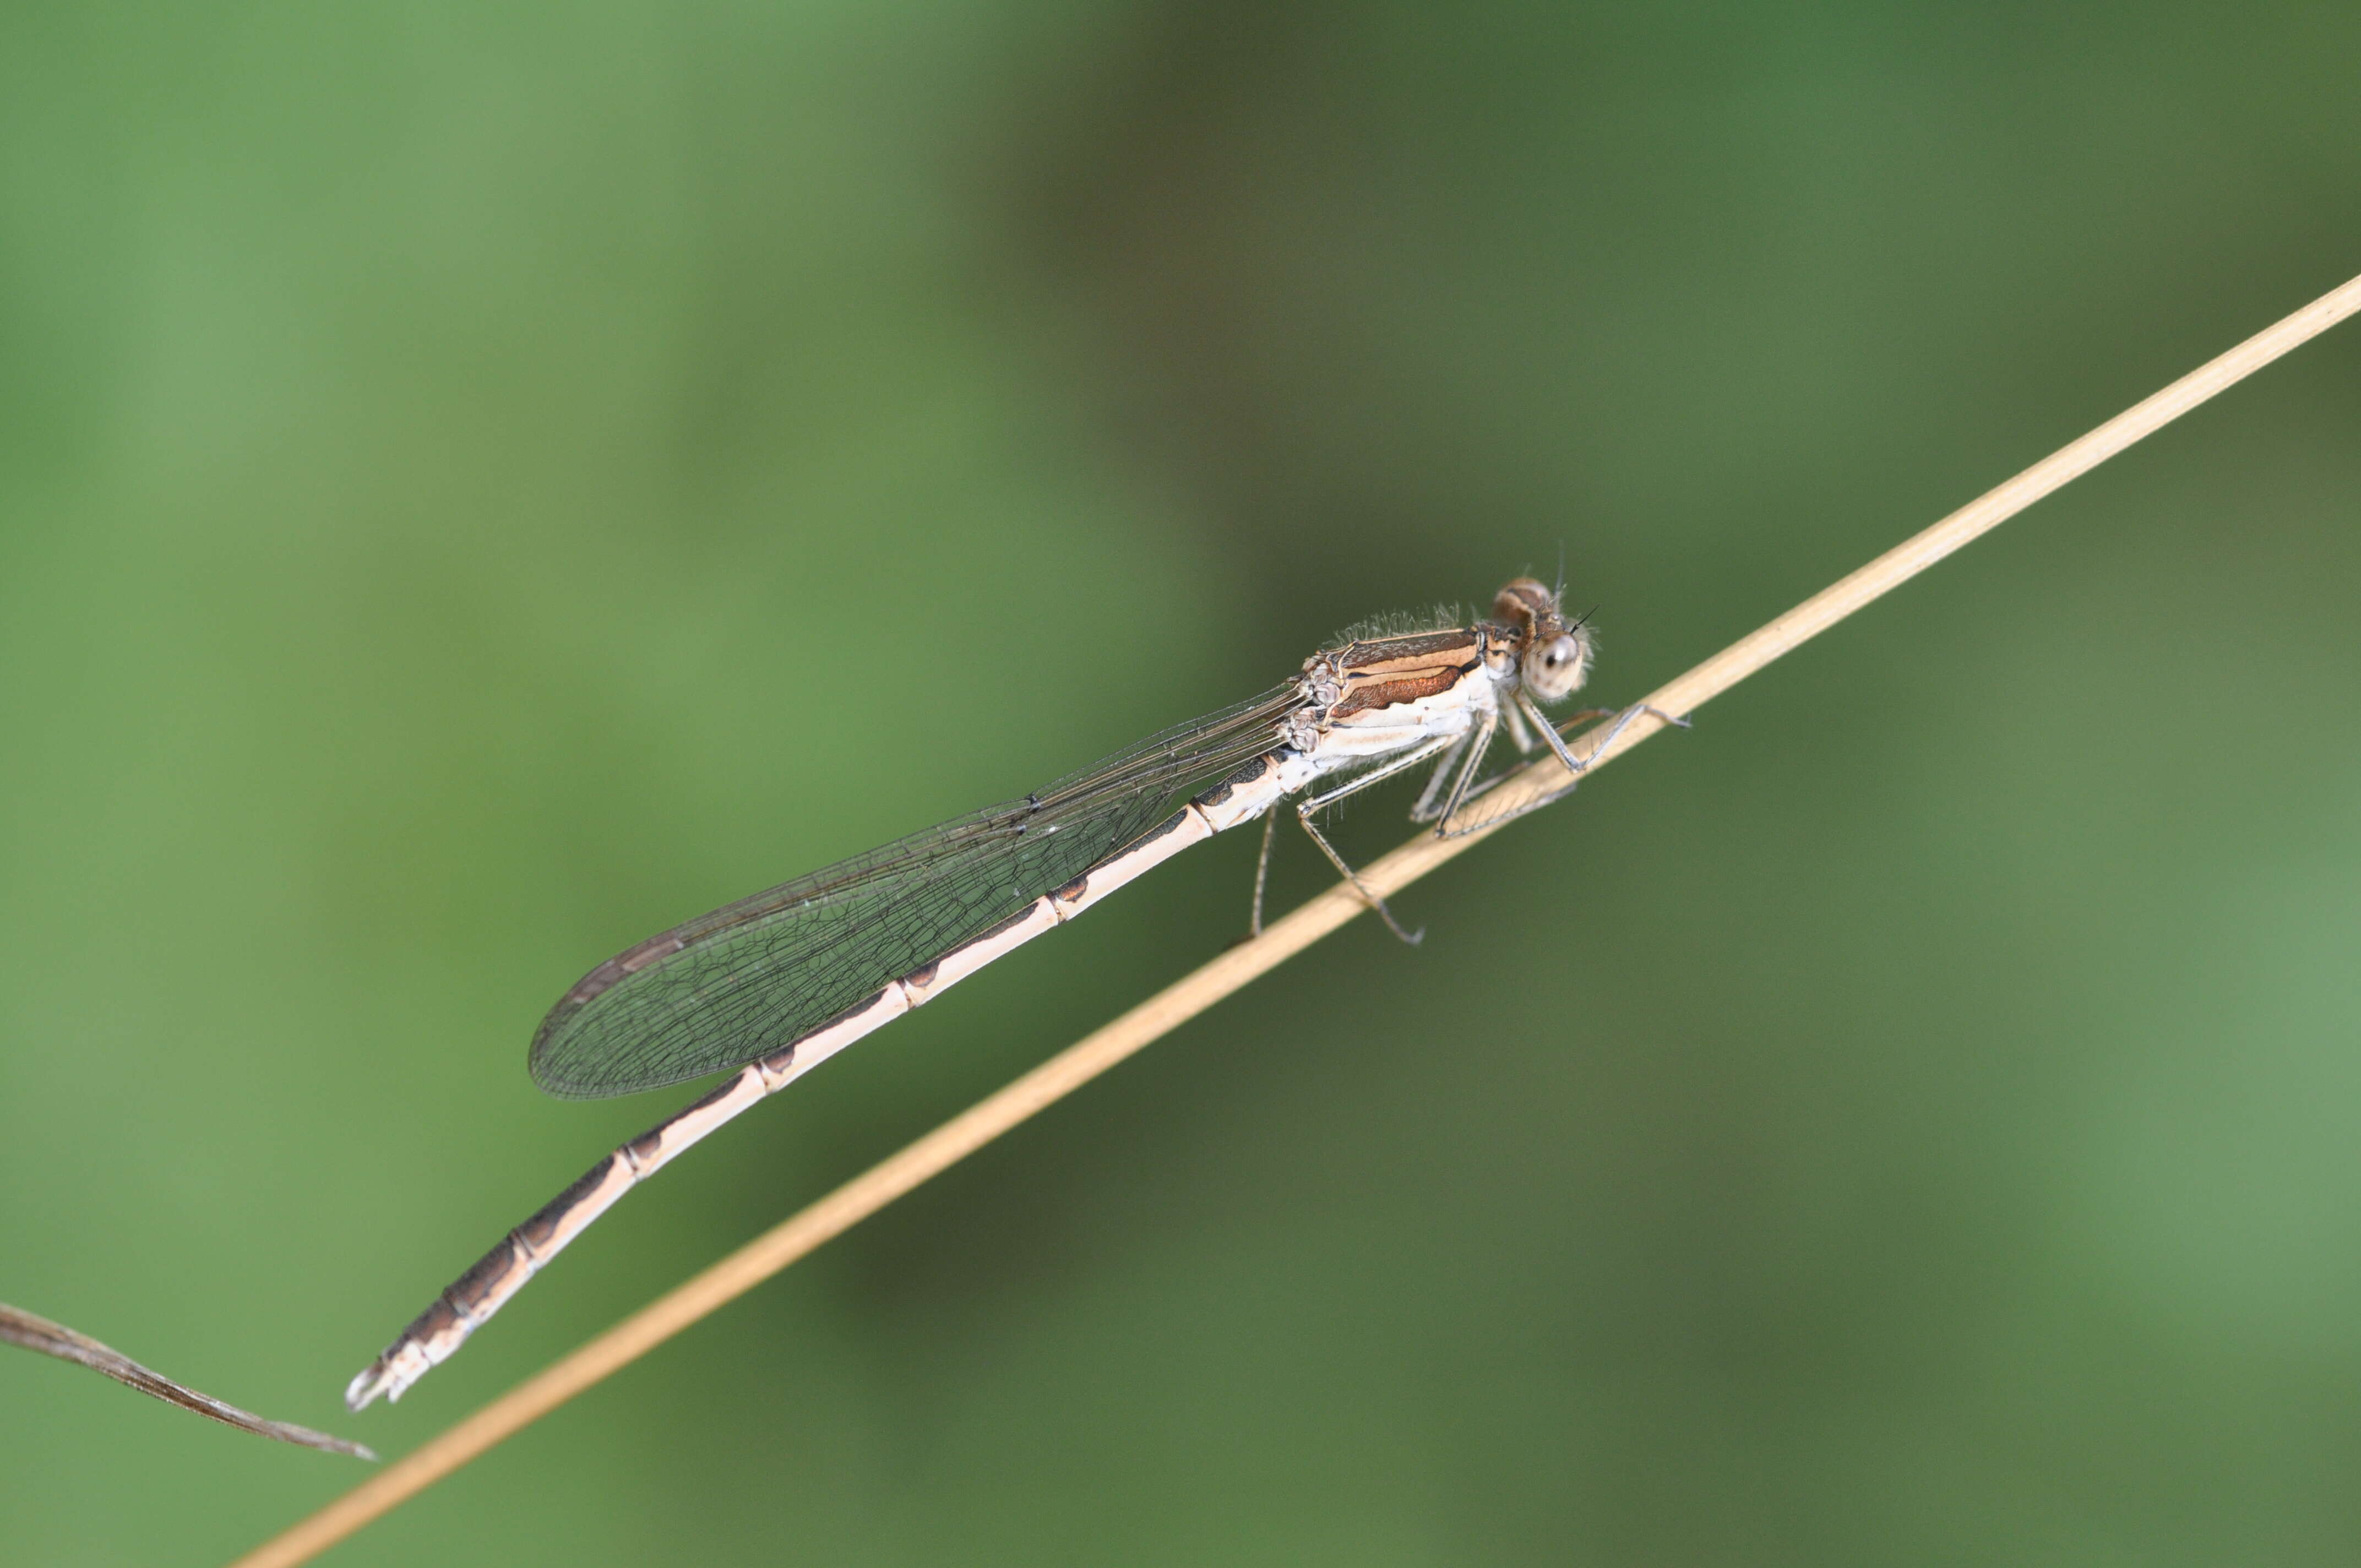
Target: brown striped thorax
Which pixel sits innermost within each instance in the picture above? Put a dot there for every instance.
(1362, 696)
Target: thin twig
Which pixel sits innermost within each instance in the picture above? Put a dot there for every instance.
(1069, 1070)
(19, 1327)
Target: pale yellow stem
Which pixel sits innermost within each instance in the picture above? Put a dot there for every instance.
(1077, 1064)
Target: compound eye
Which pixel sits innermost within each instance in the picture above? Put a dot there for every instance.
(1556, 668)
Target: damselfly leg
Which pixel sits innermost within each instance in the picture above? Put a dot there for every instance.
(1577, 766)
(1312, 805)
(1262, 875)
(1446, 766)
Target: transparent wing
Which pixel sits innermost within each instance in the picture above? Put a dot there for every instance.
(754, 975)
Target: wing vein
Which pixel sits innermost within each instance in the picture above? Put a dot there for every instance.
(755, 975)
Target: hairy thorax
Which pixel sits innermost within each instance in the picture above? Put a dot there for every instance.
(1372, 696)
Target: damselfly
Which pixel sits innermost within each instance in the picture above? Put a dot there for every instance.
(775, 985)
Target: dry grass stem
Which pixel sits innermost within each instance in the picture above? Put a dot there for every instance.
(19, 1327)
(1069, 1070)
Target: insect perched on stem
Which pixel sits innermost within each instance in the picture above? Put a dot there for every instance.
(775, 985)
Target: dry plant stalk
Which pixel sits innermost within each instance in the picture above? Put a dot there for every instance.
(19, 1327)
(1095, 1053)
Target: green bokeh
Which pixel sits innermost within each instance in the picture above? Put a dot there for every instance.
(479, 484)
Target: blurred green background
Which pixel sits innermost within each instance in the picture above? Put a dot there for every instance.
(481, 483)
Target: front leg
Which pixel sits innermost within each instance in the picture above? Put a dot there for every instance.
(1555, 734)
(1519, 736)
(1577, 766)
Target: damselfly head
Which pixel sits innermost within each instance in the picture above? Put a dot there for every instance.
(1553, 657)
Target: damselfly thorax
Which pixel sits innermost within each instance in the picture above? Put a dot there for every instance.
(775, 985)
